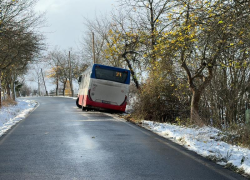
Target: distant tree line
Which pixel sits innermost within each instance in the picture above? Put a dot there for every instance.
(65, 67)
(189, 59)
(20, 42)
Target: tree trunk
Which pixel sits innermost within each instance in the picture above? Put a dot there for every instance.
(70, 76)
(195, 118)
(64, 87)
(57, 86)
(0, 88)
(152, 24)
(8, 90)
(131, 71)
(13, 88)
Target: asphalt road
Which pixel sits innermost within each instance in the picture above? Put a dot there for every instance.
(59, 141)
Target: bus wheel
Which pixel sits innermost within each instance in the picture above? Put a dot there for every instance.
(84, 108)
(77, 103)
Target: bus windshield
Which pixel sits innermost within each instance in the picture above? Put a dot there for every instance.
(111, 75)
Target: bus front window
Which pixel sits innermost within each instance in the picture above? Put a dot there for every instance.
(110, 75)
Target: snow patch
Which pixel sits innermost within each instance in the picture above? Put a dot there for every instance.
(205, 141)
(11, 115)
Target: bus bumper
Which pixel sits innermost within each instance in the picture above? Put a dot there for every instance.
(89, 102)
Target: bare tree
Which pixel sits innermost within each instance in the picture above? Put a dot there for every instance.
(19, 40)
(65, 67)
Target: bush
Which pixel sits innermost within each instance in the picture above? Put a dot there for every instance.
(158, 101)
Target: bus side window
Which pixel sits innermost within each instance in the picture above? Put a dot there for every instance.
(86, 80)
(82, 82)
(80, 79)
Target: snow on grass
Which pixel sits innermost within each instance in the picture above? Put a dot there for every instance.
(205, 141)
(130, 105)
(11, 115)
(63, 97)
(67, 97)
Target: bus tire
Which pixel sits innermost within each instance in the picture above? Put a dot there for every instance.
(84, 108)
(77, 103)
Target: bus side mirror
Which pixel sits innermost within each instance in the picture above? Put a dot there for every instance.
(80, 79)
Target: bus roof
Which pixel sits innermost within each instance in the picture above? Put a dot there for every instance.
(110, 67)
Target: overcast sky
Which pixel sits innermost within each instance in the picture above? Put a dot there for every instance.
(65, 26)
(65, 19)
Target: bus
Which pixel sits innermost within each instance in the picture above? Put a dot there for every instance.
(104, 87)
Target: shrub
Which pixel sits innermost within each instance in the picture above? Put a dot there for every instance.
(158, 101)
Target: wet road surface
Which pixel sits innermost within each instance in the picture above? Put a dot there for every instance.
(60, 141)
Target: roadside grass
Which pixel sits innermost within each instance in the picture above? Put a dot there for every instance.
(234, 135)
(130, 118)
(239, 136)
(227, 165)
(8, 102)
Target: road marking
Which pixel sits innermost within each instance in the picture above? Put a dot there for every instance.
(142, 129)
(94, 120)
(115, 117)
(139, 129)
(196, 159)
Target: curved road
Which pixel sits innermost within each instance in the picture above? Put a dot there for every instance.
(59, 141)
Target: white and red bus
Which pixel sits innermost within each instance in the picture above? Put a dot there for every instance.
(104, 87)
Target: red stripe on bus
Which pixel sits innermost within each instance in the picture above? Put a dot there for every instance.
(103, 105)
(80, 99)
(84, 100)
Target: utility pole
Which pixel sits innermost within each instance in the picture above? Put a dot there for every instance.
(44, 82)
(70, 77)
(57, 78)
(38, 88)
(93, 46)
